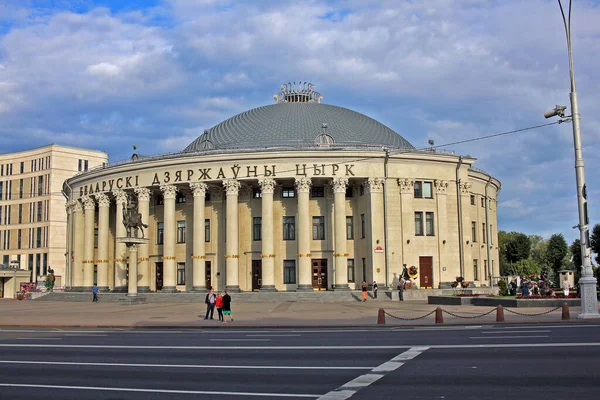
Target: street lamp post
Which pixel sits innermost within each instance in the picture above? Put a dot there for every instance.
(587, 282)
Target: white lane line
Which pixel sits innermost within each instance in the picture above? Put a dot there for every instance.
(273, 335)
(496, 332)
(508, 337)
(38, 338)
(348, 389)
(239, 340)
(84, 335)
(166, 391)
(100, 364)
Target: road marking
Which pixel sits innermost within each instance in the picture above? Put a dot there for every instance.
(84, 335)
(508, 337)
(239, 340)
(273, 335)
(100, 364)
(38, 338)
(349, 389)
(113, 389)
(496, 332)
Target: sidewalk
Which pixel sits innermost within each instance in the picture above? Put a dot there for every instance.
(61, 314)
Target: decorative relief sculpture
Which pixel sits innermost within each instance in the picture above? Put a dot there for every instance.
(267, 185)
(132, 219)
(406, 185)
(465, 188)
(441, 186)
(169, 191)
(88, 202)
(199, 189)
(102, 199)
(339, 185)
(120, 196)
(232, 187)
(143, 194)
(303, 184)
(374, 185)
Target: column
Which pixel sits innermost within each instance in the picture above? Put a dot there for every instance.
(442, 233)
(169, 265)
(340, 251)
(68, 277)
(132, 287)
(407, 194)
(304, 255)
(78, 240)
(465, 197)
(143, 260)
(376, 231)
(199, 255)
(120, 284)
(232, 258)
(102, 256)
(88, 245)
(267, 187)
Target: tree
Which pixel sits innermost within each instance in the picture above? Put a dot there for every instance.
(575, 251)
(595, 242)
(518, 247)
(556, 252)
(538, 249)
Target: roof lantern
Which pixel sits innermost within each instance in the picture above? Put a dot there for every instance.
(302, 92)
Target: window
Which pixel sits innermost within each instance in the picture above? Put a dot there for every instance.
(418, 189)
(362, 189)
(256, 228)
(364, 269)
(159, 200)
(22, 169)
(491, 235)
(483, 235)
(207, 230)
(349, 192)
(21, 188)
(39, 211)
(485, 269)
(20, 213)
(38, 237)
(482, 202)
(160, 231)
(318, 225)
(288, 193)
(85, 165)
(181, 273)
(350, 270)
(40, 185)
(1, 187)
(79, 165)
(349, 228)
(256, 193)
(289, 228)
(18, 239)
(423, 190)
(427, 192)
(362, 226)
(289, 271)
(317, 191)
(474, 231)
(180, 198)
(475, 270)
(180, 231)
(419, 223)
(429, 227)
(472, 199)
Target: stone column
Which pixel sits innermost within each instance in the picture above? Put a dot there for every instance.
(102, 256)
(120, 284)
(267, 187)
(442, 233)
(199, 255)
(169, 266)
(143, 267)
(68, 278)
(340, 251)
(132, 287)
(465, 197)
(303, 235)
(78, 246)
(88, 245)
(232, 258)
(376, 231)
(407, 194)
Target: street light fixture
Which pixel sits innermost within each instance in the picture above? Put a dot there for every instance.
(587, 282)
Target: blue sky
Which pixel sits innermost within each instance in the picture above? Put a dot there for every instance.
(108, 74)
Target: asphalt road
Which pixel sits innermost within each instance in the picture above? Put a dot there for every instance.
(472, 362)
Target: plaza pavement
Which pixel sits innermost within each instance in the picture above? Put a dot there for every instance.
(284, 314)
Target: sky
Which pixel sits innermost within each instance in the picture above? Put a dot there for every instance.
(108, 74)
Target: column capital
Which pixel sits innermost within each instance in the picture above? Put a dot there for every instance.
(465, 188)
(78, 206)
(440, 186)
(102, 199)
(143, 193)
(88, 202)
(339, 185)
(374, 185)
(406, 185)
(232, 187)
(267, 185)
(303, 184)
(169, 191)
(120, 196)
(70, 206)
(199, 189)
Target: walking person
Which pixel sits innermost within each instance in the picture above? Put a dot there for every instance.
(95, 293)
(364, 291)
(401, 290)
(210, 301)
(374, 289)
(219, 305)
(566, 286)
(227, 306)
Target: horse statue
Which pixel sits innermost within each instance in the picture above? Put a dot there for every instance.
(132, 219)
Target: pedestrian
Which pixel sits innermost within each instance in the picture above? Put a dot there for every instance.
(219, 305)
(566, 286)
(210, 303)
(524, 287)
(95, 293)
(227, 306)
(536, 289)
(374, 289)
(401, 290)
(364, 291)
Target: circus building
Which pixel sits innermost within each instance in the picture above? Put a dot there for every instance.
(294, 196)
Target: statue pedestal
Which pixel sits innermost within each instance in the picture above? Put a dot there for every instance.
(132, 244)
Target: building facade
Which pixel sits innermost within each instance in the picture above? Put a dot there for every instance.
(293, 196)
(33, 222)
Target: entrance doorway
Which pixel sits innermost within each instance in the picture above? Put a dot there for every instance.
(207, 275)
(159, 276)
(256, 274)
(426, 272)
(319, 274)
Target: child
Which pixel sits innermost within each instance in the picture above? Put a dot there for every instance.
(219, 305)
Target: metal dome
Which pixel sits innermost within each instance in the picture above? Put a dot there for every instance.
(297, 124)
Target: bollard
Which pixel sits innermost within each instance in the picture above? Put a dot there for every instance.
(381, 317)
(439, 317)
(565, 311)
(500, 314)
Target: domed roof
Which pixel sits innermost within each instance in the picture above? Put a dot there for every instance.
(297, 124)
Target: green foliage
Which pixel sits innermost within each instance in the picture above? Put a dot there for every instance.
(518, 247)
(502, 288)
(575, 251)
(538, 249)
(556, 252)
(595, 242)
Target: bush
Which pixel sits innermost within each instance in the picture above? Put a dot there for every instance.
(503, 288)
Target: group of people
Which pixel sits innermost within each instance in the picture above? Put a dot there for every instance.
(365, 290)
(221, 303)
(531, 288)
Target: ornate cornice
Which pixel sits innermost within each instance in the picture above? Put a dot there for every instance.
(169, 191)
(102, 199)
(143, 194)
(88, 202)
(232, 187)
(120, 196)
(303, 184)
(199, 189)
(441, 186)
(407, 186)
(374, 185)
(267, 186)
(339, 185)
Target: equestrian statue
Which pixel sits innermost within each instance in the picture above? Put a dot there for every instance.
(132, 219)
